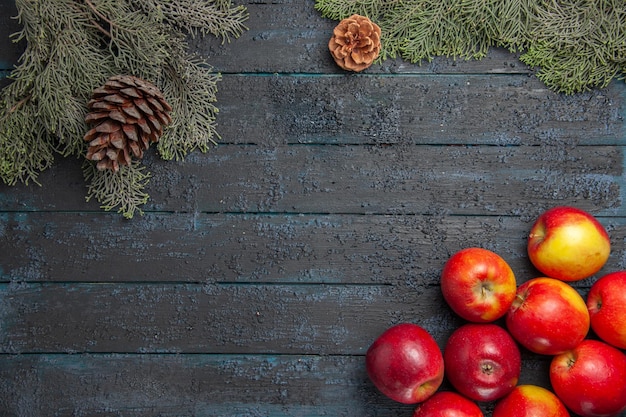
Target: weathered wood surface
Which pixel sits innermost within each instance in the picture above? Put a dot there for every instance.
(354, 179)
(259, 248)
(262, 270)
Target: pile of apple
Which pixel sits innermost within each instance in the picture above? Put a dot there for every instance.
(546, 315)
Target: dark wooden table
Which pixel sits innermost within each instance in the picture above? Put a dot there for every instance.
(262, 270)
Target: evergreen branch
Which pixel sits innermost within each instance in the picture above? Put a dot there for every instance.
(568, 72)
(576, 45)
(123, 190)
(137, 42)
(218, 18)
(191, 87)
(373, 9)
(72, 47)
(25, 147)
(101, 16)
(429, 28)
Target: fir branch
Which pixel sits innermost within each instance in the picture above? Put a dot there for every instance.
(191, 88)
(424, 29)
(137, 42)
(375, 10)
(26, 149)
(218, 18)
(576, 45)
(504, 23)
(568, 72)
(123, 190)
(72, 47)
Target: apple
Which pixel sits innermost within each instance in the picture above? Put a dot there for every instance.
(568, 244)
(405, 363)
(482, 361)
(530, 401)
(606, 302)
(591, 379)
(448, 404)
(548, 316)
(478, 285)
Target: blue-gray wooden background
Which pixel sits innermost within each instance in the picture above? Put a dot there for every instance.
(262, 270)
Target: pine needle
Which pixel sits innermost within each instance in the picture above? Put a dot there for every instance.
(72, 47)
(123, 190)
(575, 45)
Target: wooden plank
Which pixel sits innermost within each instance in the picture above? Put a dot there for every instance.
(295, 40)
(419, 109)
(257, 248)
(200, 385)
(9, 51)
(292, 41)
(456, 180)
(478, 180)
(212, 318)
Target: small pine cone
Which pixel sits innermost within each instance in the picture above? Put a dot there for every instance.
(127, 114)
(355, 43)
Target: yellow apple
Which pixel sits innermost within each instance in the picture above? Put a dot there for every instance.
(568, 244)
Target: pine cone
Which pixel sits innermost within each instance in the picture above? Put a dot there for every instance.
(355, 43)
(128, 114)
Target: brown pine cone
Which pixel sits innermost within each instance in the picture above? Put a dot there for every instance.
(355, 43)
(127, 114)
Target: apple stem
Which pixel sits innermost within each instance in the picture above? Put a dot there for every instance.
(571, 362)
(487, 368)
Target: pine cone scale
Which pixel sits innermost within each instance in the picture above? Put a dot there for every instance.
(115, 99)
(132, 112)
(131, 92)
(118, 116)
(95, 116)
(156, 125)
(131, 132)
(117, 139)
(135, 149)
(142, 105)
(126, 115)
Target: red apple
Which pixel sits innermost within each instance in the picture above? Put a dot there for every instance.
(405, 363)
(568, 244)
(530, 401)
(591, 379)
(548, 316)
(448, 404)
(478, 285)
(606, 302)
(482, 361)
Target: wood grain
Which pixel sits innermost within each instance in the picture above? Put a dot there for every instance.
(212, 318)
(9, 25)
(186, 385)
(489, 180)
(510, 109)
(262, 270)
(260, 248)
(298, 36)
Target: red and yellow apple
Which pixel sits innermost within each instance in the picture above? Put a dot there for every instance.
(591, 379)
(606, 302)
(530, 401)
(405, 363)
(478, 285)
(482, 361)
(548, 316)
(448, 404)
(568, 244)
